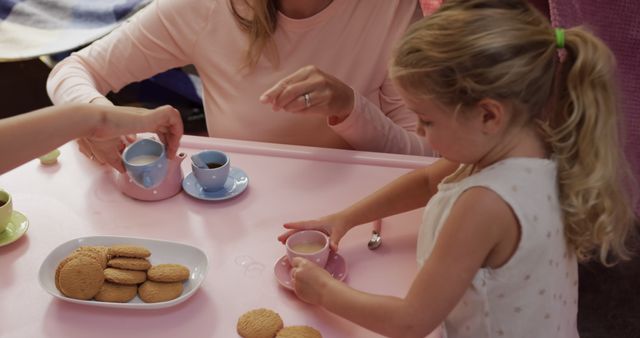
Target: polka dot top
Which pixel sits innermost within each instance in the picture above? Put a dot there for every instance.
(534, 294)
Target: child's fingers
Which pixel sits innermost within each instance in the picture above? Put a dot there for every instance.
(130, 138)
(283, 237)
(295, 227)
(297, 262)
(84, 148)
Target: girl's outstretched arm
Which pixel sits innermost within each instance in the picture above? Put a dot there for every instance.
(481, 230)
(408, 192)
(30, 135)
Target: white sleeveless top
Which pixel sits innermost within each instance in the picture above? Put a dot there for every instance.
(535, 294)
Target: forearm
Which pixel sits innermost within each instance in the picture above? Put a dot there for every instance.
(30, 135)
(71, 80)
(368, 128)
(408, 192)
(387, 315)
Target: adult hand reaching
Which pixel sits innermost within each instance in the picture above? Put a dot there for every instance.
(310, 90)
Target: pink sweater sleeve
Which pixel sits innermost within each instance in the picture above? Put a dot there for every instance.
(368, 128)
(391, 127)
(132, 52)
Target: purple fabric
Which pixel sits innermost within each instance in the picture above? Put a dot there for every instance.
(617, 23)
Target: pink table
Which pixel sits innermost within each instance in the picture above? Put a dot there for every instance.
(77, 198)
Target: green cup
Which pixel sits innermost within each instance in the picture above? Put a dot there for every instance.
(6, 209)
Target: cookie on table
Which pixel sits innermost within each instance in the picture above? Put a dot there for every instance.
(117, 293)
(168, 273)
(259, 323)
(302, 331)
(121, 276)
(126, 250)
(154, 292)
(128, 263)
(80, 278)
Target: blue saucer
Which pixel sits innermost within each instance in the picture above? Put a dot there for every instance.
(236, 183)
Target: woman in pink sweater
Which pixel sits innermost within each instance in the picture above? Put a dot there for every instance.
(297, 72)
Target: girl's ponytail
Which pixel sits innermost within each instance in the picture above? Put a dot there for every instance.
(583, 134)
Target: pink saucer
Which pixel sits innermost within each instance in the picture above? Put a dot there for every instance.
(336, 266)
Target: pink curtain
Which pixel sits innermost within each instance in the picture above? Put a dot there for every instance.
(618, 24)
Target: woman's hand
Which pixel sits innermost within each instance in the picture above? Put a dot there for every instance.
(331, 225)
(310, 90)
(309, 280)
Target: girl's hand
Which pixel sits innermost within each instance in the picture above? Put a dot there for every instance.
(310, 90)
(165, 121)
(103, 151)
(331, 225)
(309, 280)
(105, 145)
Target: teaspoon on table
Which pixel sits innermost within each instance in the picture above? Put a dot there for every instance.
(376, 238)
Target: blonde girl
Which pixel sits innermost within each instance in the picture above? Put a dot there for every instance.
(531, 180)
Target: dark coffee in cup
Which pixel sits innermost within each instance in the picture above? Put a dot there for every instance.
(213, 165)
(2, 203)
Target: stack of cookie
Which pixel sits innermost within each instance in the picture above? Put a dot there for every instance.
(164, 283)
(117, 274)
(127, 267)
(265, 323)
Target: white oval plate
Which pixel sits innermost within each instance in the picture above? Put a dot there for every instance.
(161, 252)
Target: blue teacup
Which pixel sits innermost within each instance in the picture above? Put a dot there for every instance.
(146, 162)
(214, 175)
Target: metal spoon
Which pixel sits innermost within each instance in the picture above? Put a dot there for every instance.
(376, 239)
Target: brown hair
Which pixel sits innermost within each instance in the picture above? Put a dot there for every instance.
(260, 24)
(506, 50)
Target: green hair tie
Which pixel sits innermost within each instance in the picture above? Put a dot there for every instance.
(560, 38)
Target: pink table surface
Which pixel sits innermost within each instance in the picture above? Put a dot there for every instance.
(77, 198)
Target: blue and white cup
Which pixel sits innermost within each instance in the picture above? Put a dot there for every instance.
(214, 175)
(146, 162)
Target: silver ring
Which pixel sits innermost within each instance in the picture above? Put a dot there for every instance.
(307, 100)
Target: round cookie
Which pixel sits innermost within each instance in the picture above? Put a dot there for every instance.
(101, 253)
(259, 323)
(117, 293)
(91, 254)
(128, 277)
(154, 292)
(298, 332)
(60, 265)
(129, 251)
(81, 278)
(129, 263)
(168, 273)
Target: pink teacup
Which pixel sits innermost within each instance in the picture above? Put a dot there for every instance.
(310, 244)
